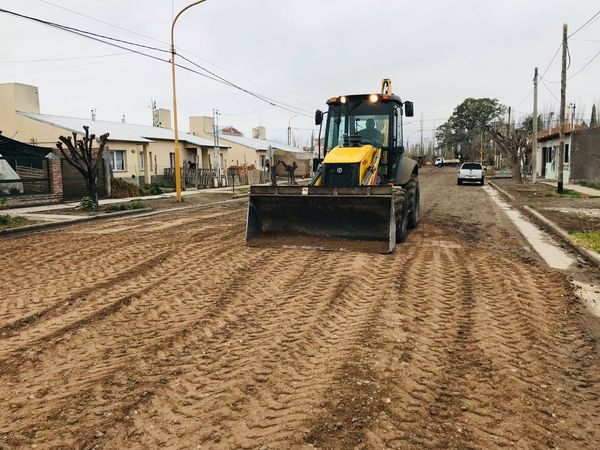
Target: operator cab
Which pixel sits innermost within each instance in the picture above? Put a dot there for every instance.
(370, 119)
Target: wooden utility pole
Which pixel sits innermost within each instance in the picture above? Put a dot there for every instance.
(563, 92)
(535, 128)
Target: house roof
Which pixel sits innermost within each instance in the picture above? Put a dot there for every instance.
(118, 131)
(546, 135)
(263, 144)
(11, 148)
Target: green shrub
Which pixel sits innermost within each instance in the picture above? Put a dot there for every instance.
(133, 204)
(152, 189)
(121, 188)
(8, 221)
(3, 204)
(87, 204)
(166, 183)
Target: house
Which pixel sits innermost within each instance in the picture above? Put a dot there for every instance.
(245, 150)
(231, 131)
(585, 154)
(548, 143)
(137, 153)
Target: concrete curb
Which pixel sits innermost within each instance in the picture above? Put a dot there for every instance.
(502, 191)
(547, 224)
(40, 227)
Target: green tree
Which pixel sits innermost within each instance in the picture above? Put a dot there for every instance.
(594, 119)
(466, 124)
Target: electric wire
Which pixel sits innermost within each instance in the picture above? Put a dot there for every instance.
(166, 43)
(101, 38)
(590, 20)
(17, 61)
(548, 89)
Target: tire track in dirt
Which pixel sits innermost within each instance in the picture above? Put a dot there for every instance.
(138, 348)
(268, 381)
(75, 272)
(97, 306)
(353, 400)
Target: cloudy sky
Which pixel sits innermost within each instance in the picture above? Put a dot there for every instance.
(300, 53)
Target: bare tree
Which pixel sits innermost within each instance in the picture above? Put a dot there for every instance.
(81, 155)
(514, 142)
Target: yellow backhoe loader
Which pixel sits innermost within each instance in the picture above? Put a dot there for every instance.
(364, 193)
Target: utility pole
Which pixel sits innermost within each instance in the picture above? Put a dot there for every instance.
(563, 93)
(535, 128)
(290, 129)
(422, 150)
(216, 144)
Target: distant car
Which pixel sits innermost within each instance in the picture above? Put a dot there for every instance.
(471, 171)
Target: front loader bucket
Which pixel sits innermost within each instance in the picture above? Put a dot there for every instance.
(332, 218)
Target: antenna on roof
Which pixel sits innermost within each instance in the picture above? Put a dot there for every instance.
(123, 119)
(155, 116)
(94, 113)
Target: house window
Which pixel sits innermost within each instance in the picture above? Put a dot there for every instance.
(262, 160)
(150, 159)
(142, 161)
(172, 160)
(567, 153)
(117, 160)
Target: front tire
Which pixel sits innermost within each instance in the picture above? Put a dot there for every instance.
(402, 222)
(459, 181)
(482, 181)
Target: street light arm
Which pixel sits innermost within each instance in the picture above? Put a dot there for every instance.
(177, 17)
(175, 123)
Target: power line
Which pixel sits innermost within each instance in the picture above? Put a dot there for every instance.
(100, 21)
(253, 94)
(585, 65)
(548, 89)
(590, 20)
(166, 43)
(100, 38)
(16, 61)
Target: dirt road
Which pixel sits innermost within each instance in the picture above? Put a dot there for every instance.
(167, 332)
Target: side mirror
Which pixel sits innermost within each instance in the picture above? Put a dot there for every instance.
(318, 117)
(408, 109)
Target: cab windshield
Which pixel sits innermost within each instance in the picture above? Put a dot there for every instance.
(359, 119)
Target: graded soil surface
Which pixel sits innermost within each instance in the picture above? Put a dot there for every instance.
(168, 332)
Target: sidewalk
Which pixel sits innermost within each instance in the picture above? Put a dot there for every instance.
(575, 187)
(31, 210)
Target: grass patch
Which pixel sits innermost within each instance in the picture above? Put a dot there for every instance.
(127, 206)
(590, 184)
(243, 190)
(7, 221)
(588, 239)
(567, 193)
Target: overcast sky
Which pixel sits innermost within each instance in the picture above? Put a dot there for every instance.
(300, 53)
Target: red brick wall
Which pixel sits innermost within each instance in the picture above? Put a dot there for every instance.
(56, 188)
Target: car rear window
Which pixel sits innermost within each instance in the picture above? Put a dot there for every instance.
(471, 166)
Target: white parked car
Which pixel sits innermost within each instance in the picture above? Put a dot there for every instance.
(471, 171)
